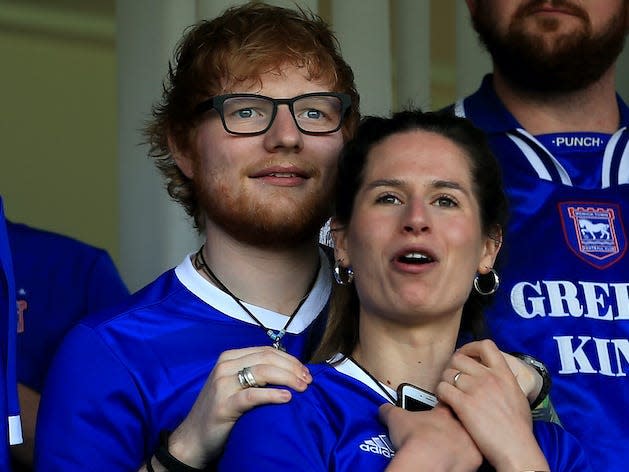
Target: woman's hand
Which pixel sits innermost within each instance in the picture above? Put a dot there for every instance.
(490, 404)
(202, 435)
(429, 440)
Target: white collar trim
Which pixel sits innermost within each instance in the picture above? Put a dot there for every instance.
(221, 301)
(349, 368)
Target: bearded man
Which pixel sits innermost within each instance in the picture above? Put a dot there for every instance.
(559, 129)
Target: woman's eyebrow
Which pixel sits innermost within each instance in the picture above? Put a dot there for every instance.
(437, 184)
(384, 183)
(450, 185)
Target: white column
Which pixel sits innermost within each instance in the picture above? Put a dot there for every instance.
(363, 30)
(208, 9)
(472, 61)
(411, 53)
(154, 232)
(312, 5)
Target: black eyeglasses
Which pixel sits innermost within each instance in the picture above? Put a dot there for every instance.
(250, 114)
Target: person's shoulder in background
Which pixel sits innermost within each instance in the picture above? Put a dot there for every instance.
(59, 280)
(67, 264)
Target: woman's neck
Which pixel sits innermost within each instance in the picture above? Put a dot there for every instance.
(400, 353)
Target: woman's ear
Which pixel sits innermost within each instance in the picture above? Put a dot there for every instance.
(491, 247)
(339, 236)
(183, 160)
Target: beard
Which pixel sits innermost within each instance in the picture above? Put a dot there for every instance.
(265, 222)
(573, 62)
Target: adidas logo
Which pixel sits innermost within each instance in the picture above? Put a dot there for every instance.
(378, 445)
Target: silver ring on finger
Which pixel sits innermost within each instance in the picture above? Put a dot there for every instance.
(242, 380)
(456, 378)
(249, 379)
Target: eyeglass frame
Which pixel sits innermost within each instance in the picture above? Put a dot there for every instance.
(216, 103)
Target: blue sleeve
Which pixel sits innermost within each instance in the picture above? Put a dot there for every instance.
(104, 287)
(290, 436)
(91, 415)
(61, 282)
(8, 313)
(563, 452)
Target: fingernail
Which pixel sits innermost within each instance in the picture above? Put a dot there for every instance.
(285, 395)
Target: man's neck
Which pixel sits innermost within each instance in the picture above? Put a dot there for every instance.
(275, 279)
(593, 108)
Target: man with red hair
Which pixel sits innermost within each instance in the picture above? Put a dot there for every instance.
(255, 110)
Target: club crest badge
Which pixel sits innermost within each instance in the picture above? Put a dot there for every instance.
(22, 306)
(594, 232)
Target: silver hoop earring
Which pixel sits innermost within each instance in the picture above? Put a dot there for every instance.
(343, 275)
(493, 288)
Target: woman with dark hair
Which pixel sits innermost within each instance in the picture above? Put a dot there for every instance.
(419, 217)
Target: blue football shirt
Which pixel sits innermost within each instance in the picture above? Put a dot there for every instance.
(127, 373)
(564, 295)
(334, 425)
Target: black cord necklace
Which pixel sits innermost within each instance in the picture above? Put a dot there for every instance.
(276, 336)
(376, 381)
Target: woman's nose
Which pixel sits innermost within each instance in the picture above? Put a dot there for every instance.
(416, 218)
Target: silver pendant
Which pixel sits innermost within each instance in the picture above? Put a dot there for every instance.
(277, 338)
(277, 345)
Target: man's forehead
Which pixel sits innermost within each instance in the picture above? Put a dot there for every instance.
(271, 76)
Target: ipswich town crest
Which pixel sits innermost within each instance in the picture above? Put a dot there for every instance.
(594, 232)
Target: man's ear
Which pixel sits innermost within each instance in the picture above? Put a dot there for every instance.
(339, 236)
(183, 161)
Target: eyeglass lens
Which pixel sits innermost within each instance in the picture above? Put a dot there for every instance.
(314, 114)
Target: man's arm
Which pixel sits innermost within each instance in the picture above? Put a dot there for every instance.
(534, 380)
(91, 415)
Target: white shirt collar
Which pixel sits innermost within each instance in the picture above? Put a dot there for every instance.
(221, 301)
(348, 367)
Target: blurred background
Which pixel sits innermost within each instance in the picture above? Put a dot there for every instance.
(78, 78)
